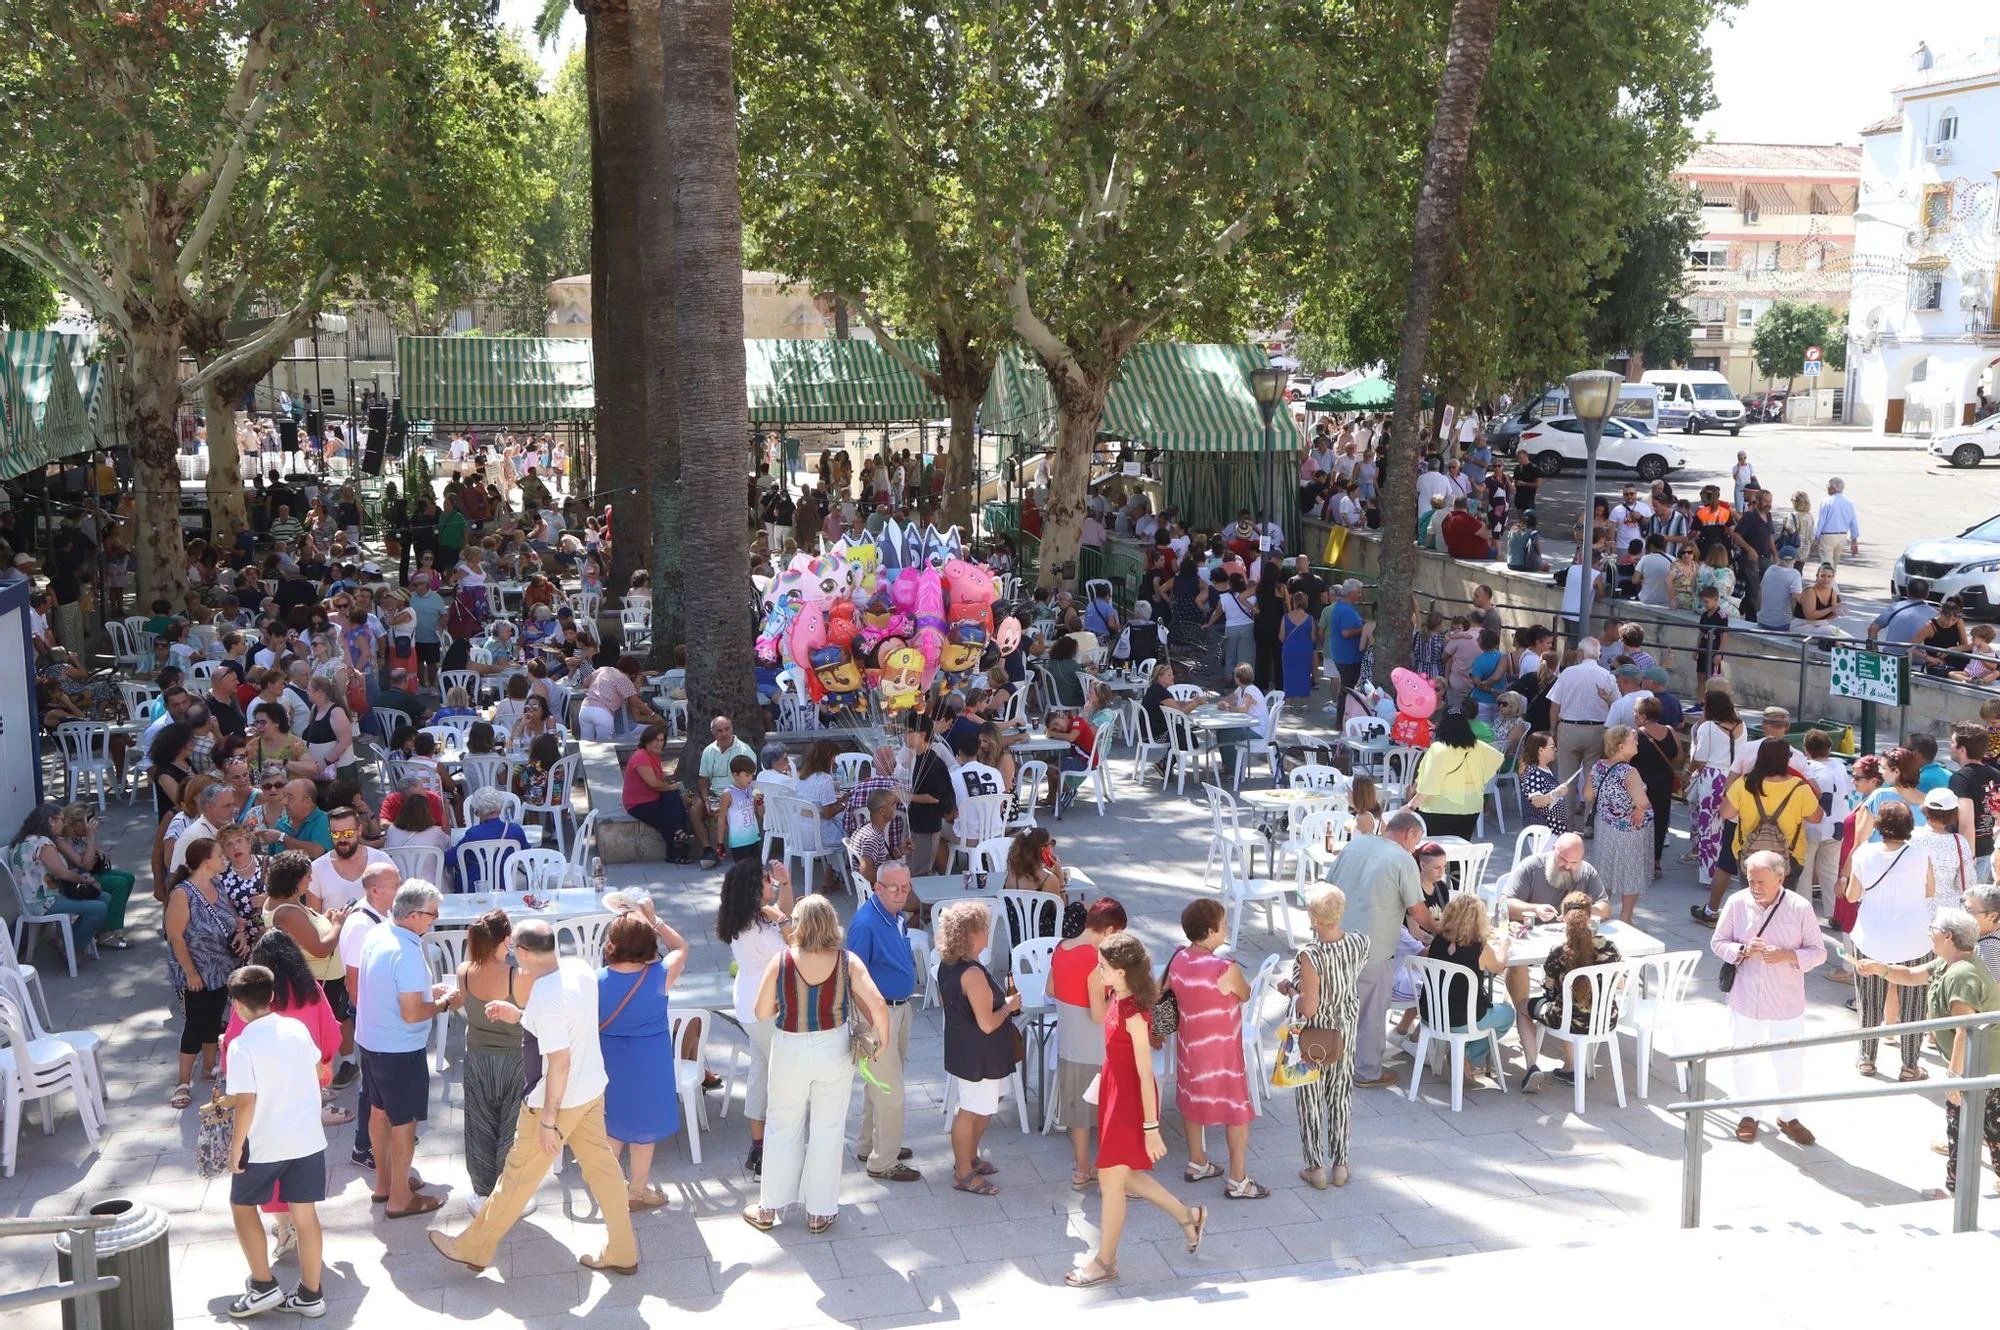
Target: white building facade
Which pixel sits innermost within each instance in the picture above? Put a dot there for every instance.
(1924, 314)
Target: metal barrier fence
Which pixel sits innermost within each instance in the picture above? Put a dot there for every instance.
(84, 1284)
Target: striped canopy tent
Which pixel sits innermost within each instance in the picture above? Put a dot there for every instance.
(50, 393)
(1191, 401)
(495, 380)
(834, 382)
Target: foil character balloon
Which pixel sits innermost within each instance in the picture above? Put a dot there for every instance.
(842, 625)
(902, 675)
(964, 645)
(930, 619)
(1416, 700)
(772, 636)
(808, 636)
(972, 592)
(838, 678)
(1008, 635)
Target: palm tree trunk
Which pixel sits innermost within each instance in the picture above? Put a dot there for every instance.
(714, 425)
(653, 184)
(1468, 51)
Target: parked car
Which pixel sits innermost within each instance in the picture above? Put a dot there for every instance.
(1969, 445)
(1637, 406)
(1558, 442)
(1966, 565)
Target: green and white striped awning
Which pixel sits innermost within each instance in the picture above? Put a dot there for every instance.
(833, 382)
(50, 386)
(1175, 396)
(495, 380)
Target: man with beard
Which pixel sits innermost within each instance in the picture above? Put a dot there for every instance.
(1533, 893)
(336, 877)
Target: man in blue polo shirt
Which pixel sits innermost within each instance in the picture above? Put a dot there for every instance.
(1343, 630)
(392, 1023)
(880, 939)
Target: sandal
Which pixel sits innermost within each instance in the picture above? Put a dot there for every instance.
(182, 1096)
(976, 1183)
(1195, 1227)
(985, 1168)
(1864, 1066)
(1202, 1172)
(1246, 1189)
(1913, 1074)
(334, 1116)
(817, 1224)
(1079, 1278)
(421, 1204)
(761, 1220)
(1081, 1181)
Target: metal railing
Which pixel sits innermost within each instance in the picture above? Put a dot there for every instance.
(84, 1283)
(1975, 1081)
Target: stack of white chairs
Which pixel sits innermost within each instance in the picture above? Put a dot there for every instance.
(39, 1069)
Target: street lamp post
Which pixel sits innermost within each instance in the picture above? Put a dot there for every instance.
(1593, 396)
(1268, 386)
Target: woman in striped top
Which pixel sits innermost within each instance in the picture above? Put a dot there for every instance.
(808, 991)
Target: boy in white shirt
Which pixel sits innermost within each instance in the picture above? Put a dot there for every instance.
(277, 1146)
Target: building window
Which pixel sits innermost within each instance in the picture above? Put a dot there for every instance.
(1709, 310)
(1947, 125)
(1708, 255)
(1928, 292)
(1936, 213)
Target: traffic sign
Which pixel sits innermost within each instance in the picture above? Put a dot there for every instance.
(1812, 369)
(1869, 676)
(1813, 354)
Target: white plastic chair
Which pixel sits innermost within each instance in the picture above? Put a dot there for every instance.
(124, 648)
(1240, 891)
(1189, 753)
(86, 754)
(483, 771)
(988, 856)
(689, 1073)
(1606, 985)
(466, 679)
(490, 858)
(1226, 831)
(1186, 692)
(1094, 777)
(1530, 843)
(558, 806)
(419, 863)
(30, 977)
(200, 673)
(1399, 773)
(39, 1069)
(1653, 1004)
(1030, 779)
(1366, 738)
(383, 722)
(1032, 960)
(1314, 776)
(1509, 775)
(1317, 836)
(1146, 745)
(87, 1043)
(138, 699)
(1262, 984)
(1265, 745)
(1435, 981)
(981, 818)
(849, 768)
(27, 925)
(584, 935)
(1031, 915)
(445, 948)
(539, 871)
(579, 851)
(803, 830)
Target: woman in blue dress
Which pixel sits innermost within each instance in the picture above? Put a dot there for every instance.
(641, 1099)
(1298, 639)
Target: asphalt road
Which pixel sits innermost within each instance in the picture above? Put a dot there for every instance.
(1898, 494)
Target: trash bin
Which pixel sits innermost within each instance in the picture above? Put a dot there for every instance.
(134, 1248)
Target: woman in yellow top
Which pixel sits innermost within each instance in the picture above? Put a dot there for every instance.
(1770, 790)
(1452, 777)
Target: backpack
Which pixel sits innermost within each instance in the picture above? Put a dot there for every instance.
(460, 620)
(1768, 835)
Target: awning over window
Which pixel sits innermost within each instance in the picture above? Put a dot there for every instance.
(50, 387)
(1771, 198)
(834, 382)
(495, 380)
(1177, 397)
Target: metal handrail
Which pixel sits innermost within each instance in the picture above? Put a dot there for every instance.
(84, 1283)
(1974, 1080)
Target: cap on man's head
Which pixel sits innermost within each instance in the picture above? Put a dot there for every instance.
(1942, 800)
(1777, 715)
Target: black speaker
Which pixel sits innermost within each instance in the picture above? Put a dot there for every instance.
(399, 428)
(288, 434)
(371, 455)
(327, 399)
(315, 425)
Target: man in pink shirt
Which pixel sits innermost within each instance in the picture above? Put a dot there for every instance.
(1772, 937)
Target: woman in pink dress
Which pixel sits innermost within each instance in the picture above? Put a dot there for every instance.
(1211, 1088)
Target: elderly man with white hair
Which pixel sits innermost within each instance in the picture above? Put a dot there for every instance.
(1345, 633)
(485, 811)
(1770, 937)
(393, 1011)
(1579, 700)
(218, 810)
(1839, 525)
(1532, 894)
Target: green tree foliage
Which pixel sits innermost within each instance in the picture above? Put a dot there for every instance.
(1671, 341)
(1639, 301)
(27, 300)
(176, 166)
(555, 237)
(1788, 328)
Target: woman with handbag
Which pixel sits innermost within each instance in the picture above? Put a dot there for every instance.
(641, 1097)
(982, 1045)
(1210, 1086)
(1893, 884)
(78, 844)
(1129, 1142)
(1326, 1003)
(1658, 762)
(201, 928)
(811, 992)
(49, 883)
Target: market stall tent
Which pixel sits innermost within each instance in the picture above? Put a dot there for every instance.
(51, 386)
(495, 380)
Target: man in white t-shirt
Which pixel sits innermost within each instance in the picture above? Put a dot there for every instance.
(973, 777)
(564, 1106)
(1628, 519)
(378, 893)
(1468, 429)
(278, 1145)
(336, 876)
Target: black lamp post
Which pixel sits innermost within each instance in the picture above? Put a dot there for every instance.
(1268, 386)
(1593, 396)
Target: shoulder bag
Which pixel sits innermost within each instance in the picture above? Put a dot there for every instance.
(863, 1043)
(1725, 978)
(1165, 1017)
(623, 1002)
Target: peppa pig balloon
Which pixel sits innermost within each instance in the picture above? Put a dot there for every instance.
(972, 593)
(1416, 699)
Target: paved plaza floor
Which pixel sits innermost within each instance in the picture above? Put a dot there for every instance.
(1510, 1172)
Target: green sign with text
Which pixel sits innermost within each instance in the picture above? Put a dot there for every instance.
(1870, 676)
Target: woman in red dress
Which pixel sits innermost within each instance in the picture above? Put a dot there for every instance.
(1128, 1110)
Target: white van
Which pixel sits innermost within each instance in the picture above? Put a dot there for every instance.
(1695, 400)
(1638, 404)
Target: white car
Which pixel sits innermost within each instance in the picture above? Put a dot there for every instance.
(1969, 445)
(1558, 442)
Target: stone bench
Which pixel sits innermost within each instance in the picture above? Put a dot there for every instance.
(621, 838)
